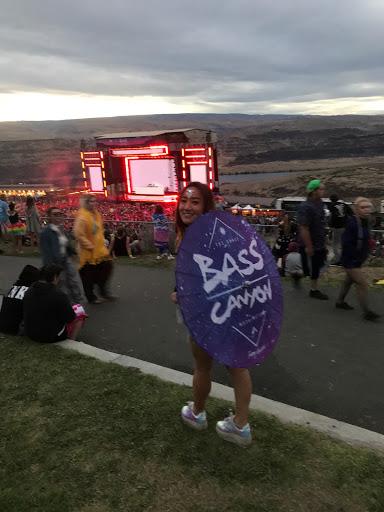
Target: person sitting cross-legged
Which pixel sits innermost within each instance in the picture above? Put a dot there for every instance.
(47, 312)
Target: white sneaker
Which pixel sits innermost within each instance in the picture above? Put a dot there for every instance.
(228, 430)
(170, 257)
(195, 421)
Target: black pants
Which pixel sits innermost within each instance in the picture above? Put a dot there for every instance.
(313, 265)
(98, 275)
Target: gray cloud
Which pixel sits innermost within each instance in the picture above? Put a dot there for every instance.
(239, 52)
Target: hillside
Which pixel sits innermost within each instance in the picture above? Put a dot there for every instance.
(348, 182)
(49, 150)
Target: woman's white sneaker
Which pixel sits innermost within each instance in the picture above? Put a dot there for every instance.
(196, 421)
(228, 430)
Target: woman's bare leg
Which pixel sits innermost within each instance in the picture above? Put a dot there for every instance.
(201, 377)
(242, 385)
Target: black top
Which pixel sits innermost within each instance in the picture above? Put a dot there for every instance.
(13, 217)
(46, 310)
(312, 215)
(11, 312)
(339, 212)
(120, 246)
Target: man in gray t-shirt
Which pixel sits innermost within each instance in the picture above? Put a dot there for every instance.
(311, 222)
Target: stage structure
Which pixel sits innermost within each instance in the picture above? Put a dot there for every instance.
(150, 166)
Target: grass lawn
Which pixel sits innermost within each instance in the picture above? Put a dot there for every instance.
(79, 435)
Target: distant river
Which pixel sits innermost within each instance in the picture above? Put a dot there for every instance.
(261, 176)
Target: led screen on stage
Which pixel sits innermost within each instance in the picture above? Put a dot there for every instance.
(198, 173)
(153, 177)
(96, 179)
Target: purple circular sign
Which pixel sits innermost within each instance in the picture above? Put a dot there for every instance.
(229, 290)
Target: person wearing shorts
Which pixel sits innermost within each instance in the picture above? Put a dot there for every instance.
(195, 200)
(311, 221)
(47, 312)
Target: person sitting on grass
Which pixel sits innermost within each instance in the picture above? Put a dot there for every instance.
(293, 263)
(120, 245)
(134, 241)
(11, 313)
(47, 312)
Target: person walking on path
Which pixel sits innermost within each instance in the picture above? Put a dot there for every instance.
(195, 200)
(94, 259)
(33, 223)
(56, 249)
(355, 250)
(161, 233)
(339, 212)
(311, 222)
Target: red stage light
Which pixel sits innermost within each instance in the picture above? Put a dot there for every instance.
(127, 175)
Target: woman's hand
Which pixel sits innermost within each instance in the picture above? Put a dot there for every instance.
(174, 297)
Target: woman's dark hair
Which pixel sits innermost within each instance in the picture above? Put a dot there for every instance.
(30, 201)
(208, 205)
(159, 209)
(12, 206)
(121, 231)
(49, 272)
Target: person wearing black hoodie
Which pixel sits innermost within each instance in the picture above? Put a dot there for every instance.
(11, 313)
(47, 311)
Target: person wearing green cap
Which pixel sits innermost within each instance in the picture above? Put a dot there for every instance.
(313, 185)
(312, 222)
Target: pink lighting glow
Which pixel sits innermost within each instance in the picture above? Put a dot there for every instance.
(96, 179)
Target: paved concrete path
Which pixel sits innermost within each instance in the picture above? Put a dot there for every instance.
(327, 361)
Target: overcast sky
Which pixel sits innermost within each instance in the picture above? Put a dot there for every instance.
(83, 58)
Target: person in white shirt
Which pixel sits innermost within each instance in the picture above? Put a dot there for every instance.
(293, 263)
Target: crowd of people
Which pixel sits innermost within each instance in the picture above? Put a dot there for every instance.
(303, 250)
(49, 304)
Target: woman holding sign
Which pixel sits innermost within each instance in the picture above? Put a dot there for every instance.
(195, 200)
